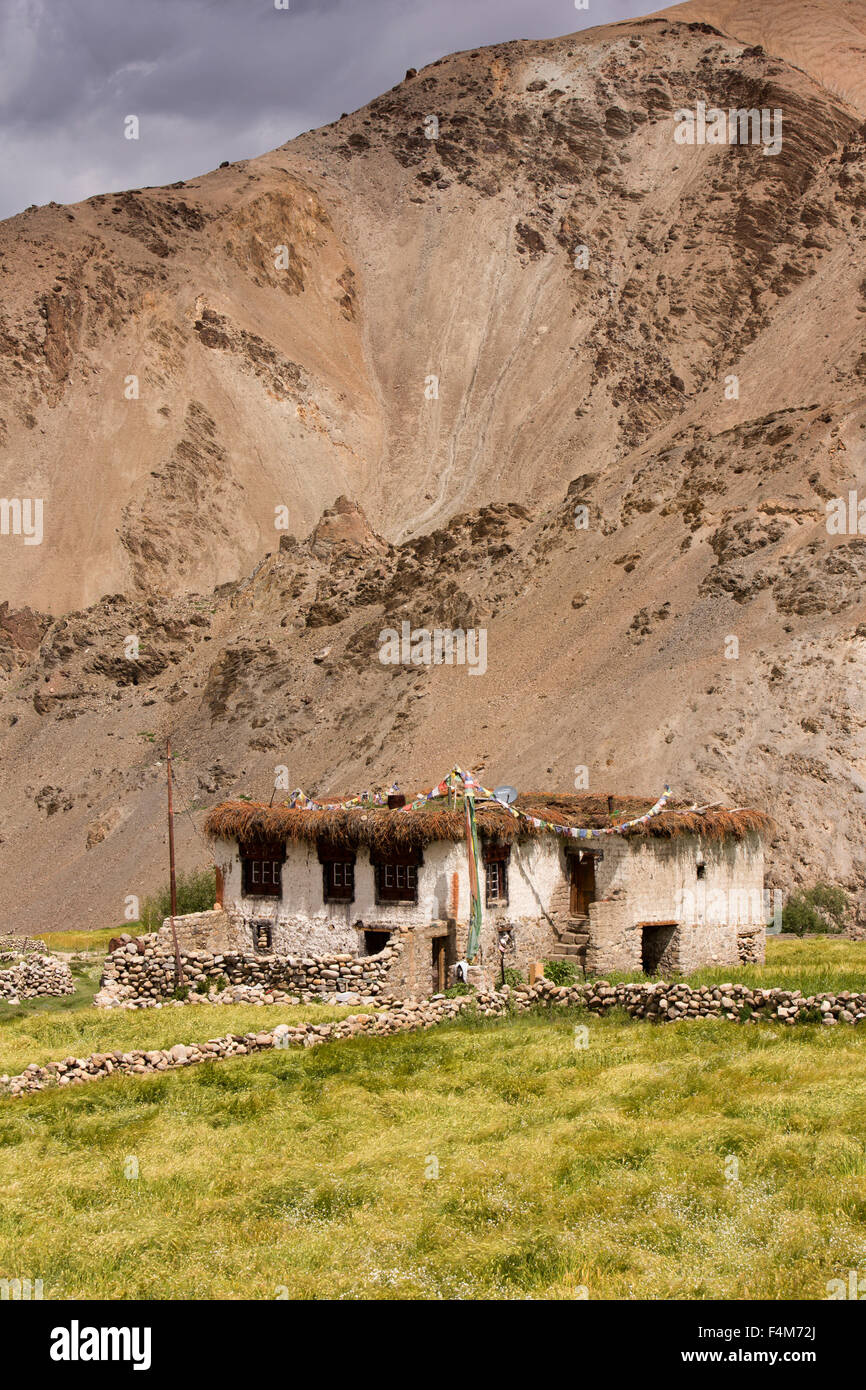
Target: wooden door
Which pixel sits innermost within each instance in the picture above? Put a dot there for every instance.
(438, 979)
(582, 885)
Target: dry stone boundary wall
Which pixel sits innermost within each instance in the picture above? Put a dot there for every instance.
(31, 975)
(142, 972)
(662, 1002)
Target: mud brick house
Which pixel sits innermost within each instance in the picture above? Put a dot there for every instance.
(683, 889)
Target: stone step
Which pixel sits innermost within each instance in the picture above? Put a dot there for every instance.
(574, 938)
(566, 952)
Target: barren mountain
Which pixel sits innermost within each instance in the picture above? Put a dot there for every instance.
(616, 461)
(826, 38)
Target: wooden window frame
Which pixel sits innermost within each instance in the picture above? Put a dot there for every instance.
(338, 862)
(389, 888)
(396, 875)
(496, 859)
(333, 870)
(262, 870)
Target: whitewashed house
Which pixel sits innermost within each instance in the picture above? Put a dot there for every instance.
(682, 890)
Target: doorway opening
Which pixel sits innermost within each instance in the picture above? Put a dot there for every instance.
(658, 947)
(375, 941)
(581, 884)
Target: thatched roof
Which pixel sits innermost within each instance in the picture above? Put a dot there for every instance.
(390, 830)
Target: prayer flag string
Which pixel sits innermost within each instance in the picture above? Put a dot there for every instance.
(465, 783)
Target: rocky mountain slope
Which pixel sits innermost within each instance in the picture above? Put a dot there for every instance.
(539, 441)
(826, 38)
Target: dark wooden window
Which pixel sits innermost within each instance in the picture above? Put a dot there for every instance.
(496, 874)
(396, 874)
(338, 872)
(263, 878)
(339, 880)
(497, 882)
(397, 883)
(262, 871)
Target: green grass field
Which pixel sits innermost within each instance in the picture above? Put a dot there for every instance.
(815, 965)
(84, 940)
(699, 1159)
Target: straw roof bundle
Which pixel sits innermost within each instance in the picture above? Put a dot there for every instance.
(385, 830)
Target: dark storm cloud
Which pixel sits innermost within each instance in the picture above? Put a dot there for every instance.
(216, 79)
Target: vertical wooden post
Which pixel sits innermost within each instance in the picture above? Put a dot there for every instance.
(178, 966)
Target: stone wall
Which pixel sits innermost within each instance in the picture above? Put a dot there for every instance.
(216, 930)
(663, 1003)
(410, 974)
(31, 975)
(752, 945)
(666, 1003)
(660, 879)
(18, 944)
(144, 969)
(644, 884)
(614, 941)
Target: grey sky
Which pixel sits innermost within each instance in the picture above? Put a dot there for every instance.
(216, 79)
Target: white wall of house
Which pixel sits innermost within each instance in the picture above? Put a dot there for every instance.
(660, 878)
(443, 889)
(653, 879)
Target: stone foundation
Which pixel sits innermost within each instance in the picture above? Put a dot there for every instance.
(752, 947)
(618, 942)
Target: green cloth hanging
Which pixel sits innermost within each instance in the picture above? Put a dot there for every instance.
(474, 878)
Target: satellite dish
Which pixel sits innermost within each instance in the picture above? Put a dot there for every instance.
(507, 795)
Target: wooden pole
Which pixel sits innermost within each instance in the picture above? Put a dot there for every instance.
(178, 966)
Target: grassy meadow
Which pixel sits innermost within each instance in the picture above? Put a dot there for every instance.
(815, 965)
(67, 941)
(482, 1159)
